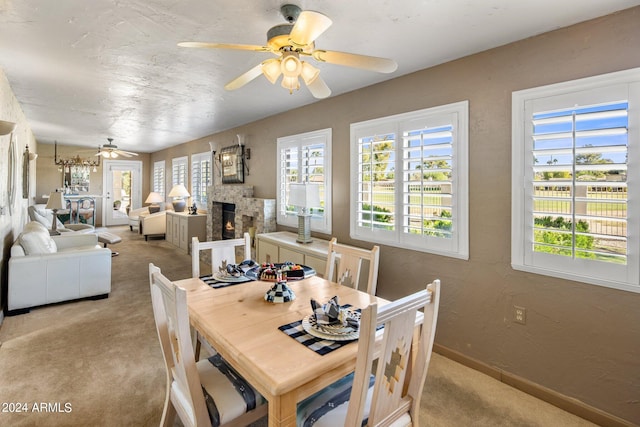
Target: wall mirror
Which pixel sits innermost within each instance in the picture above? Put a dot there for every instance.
(232, 163)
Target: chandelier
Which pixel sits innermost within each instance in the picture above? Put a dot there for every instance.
(75, 164)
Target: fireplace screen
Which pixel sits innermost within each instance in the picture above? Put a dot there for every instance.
(228, 221)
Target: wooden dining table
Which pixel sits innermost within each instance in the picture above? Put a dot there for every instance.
(243, 328)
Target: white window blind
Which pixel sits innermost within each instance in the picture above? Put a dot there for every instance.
(409, 180)
(179, 171)
(305, 158)
(158, 178)
(200, 178)
(574, 213)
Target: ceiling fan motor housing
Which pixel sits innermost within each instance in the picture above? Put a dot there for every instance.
(290, 12)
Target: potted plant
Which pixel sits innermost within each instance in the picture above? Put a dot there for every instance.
(116, 205)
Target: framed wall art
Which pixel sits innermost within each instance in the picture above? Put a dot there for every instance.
(232, 164)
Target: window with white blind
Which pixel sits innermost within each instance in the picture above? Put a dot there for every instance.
(200, 178)
(158, 178)
(305, 158)
(409, 180)
(179, 167)
(575, 207)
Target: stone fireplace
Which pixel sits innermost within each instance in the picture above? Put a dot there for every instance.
(249, 213)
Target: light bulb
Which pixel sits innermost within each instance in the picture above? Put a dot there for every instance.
(290, 65)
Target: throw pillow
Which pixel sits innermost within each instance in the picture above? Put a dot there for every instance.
(36, 241)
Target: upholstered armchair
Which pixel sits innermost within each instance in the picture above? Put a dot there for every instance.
(154, 224)
(134, 217)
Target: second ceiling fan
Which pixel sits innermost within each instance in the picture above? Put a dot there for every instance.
(291, 41)
(112, 151)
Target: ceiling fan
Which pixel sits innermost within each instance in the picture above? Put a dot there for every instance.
(291, 41)
(111, 151)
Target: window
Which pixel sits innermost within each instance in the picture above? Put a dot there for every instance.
(179, 171)
(575, 211)
(409, 180)
(158, 178)
(305, 158)
(200, 178)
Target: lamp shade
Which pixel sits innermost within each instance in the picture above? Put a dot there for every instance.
(56, 201)
(154, 197)
(6, 127)
(304, 195)
(179, 190)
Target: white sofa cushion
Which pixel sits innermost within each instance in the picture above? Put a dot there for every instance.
(35, 240)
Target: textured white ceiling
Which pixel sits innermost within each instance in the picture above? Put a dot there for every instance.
(85, 70)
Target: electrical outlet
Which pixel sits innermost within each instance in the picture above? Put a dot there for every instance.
(519, 315)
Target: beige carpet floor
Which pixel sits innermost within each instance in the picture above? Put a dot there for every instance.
(98, 363)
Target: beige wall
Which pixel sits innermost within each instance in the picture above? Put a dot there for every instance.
(580, 340)
(14, 214)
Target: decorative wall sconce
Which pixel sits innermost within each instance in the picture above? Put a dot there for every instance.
(6, 127)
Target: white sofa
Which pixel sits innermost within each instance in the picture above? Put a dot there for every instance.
(45, 217)
(47, 269)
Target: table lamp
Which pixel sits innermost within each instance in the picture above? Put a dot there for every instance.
(304, 196)
(55, 203)
(154, 198)
(179, 192)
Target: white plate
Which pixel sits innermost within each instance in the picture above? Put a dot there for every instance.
(328, 332)
(230, 279)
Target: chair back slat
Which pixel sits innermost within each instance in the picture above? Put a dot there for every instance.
(344, 265)
(220, 250)
(402, 362)
(172, 323)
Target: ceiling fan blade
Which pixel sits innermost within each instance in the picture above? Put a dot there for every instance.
(373, 63)
(308, 27)
(319, 88)
(207, 45)
(245, 78)
(126, 153)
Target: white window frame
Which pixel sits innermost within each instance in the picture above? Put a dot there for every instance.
(158, 183)
(457, 115)
(201, 181)
(613, 87)
(179, 178)
(319, 223)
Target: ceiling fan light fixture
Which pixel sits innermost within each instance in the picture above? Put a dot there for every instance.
(309, 73)
(290, 65)
(271, 70)
(290, 83)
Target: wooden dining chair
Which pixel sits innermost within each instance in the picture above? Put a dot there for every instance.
(392, 395)
(221, 250)
(204, 393)
(344, 265)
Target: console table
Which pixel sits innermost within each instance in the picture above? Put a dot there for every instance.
(181, 227)
(281, 246)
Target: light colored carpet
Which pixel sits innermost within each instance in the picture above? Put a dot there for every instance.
(103, 359)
